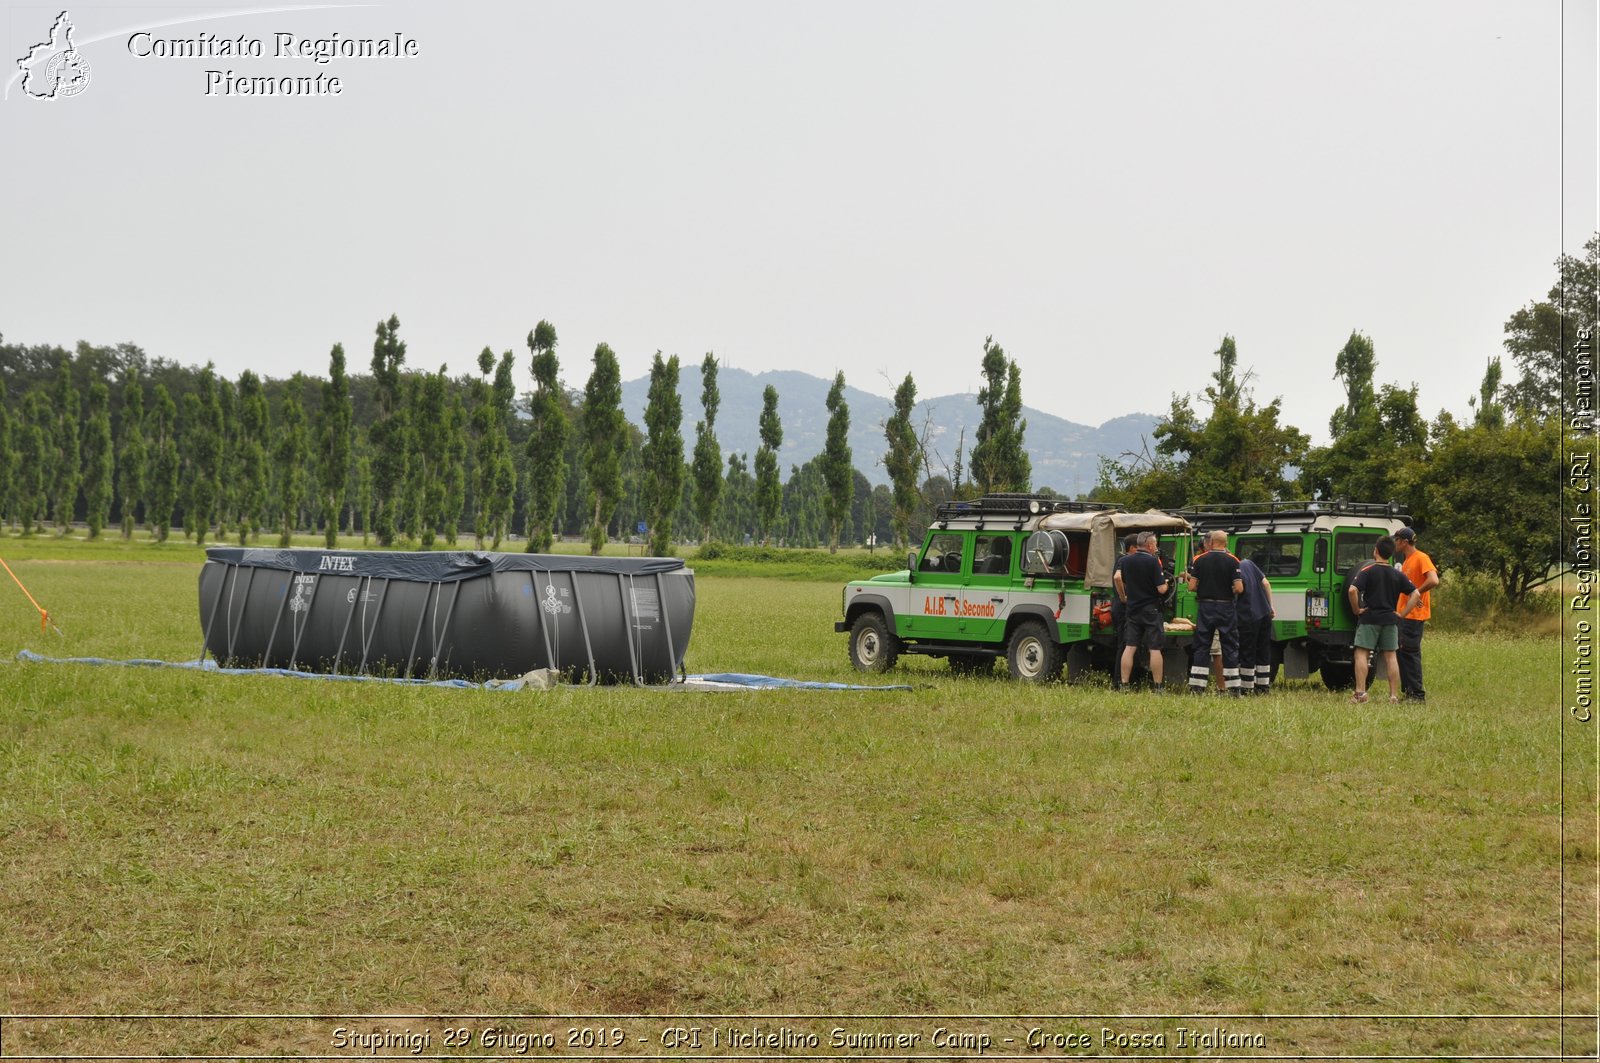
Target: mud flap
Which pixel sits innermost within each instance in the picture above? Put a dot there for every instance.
(1296, 662)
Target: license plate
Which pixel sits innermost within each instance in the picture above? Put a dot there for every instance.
(1317, 607)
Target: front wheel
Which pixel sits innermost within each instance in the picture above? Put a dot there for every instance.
(1032, 655)
(873, 647)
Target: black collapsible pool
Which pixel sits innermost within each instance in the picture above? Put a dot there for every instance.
(439, 614)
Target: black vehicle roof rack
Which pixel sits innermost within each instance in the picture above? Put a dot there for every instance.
(1239, 515)
(1016, 506)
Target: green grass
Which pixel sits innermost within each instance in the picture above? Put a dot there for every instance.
(173, 842)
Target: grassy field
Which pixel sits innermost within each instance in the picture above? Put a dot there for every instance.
(175, 843)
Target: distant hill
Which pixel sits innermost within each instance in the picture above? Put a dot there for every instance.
(1065, 455)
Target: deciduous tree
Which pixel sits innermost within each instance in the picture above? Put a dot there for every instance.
(132, 454)
(903, 459)
(290, 453)
(707, 452)
(165, 462)
(99, 463)
(769, 489)
(837, 472)
(547, 441)
(389, 432)
(333, 444)
(663, 453)
(605, 436)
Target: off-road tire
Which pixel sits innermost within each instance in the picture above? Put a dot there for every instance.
(873, 647)
(1338, 675)
(1031, 654)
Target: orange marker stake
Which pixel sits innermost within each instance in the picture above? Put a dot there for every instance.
(44, 614)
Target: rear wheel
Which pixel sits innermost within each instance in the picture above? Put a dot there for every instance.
(971, 664)
(1338, 675)
(1032, 655)
(873, 647)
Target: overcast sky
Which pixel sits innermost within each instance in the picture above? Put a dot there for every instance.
(1107, 189)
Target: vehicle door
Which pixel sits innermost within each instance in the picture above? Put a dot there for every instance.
(940, 583)
(1352, 549)
(1282, 560)
(986, 595)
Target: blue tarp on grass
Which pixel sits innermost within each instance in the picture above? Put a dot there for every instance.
(718, 681)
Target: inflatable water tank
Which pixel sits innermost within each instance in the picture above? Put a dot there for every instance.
(443, 614)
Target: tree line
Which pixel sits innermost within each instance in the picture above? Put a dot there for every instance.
(109, 436)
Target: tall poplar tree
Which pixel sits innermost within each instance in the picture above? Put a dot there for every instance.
(503, 498)
(8, 458)
(663, 453)
(228, 462)
(131, 456)
(388, 433)
(290, 457)
(455, 467)
(837, 472)
(35, 460)
(903, 459)
(66, 466)
(547, 441)
(413, 490)
(428, 457)
(333, 444)
(99, 463)
(165, 462)
(254, 420)
(605, 432)
(998, 461)
(769, 488)
(707, 452)
(203, 448)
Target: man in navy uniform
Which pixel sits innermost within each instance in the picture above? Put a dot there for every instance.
(1141, 584)
(1119, 609)
(1215, 580)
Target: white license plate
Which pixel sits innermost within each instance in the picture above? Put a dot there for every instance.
(1317, 607)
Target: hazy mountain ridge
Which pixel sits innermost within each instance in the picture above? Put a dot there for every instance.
(1065, 454)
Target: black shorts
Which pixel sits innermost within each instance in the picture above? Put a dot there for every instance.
(1144, 628)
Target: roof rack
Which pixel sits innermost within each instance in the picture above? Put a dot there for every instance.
(1239, 513)
(1017, 506)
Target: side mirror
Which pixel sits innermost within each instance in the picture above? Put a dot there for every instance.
(911, 564)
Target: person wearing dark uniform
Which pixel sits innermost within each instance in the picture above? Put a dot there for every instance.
(1141, 584)
(1119, 609)
(1214, 579)
(1255, 614)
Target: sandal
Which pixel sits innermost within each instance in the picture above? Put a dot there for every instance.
(1393, 700)
(1359, 697)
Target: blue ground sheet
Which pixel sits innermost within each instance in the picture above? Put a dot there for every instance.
(716, 681)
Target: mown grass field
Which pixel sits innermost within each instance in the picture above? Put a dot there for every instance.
(172, 842)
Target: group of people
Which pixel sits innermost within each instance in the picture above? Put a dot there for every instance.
(1389, 597)
(1392, 601)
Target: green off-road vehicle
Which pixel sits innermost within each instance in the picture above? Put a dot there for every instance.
(1013, 576)
(1308, 551)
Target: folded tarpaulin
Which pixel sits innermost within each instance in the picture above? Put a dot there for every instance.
(718, 681)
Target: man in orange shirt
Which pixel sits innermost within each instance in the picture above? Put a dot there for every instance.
(1419, 569)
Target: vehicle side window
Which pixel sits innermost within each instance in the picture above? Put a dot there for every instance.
(991, 555)
(1276, 555)
(1352, 549)
(943, 553)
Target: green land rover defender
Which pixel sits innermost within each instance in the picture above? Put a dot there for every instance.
(1308, 552)
(1013, 576)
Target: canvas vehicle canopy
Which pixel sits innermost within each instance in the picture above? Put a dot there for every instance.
(1106, 530)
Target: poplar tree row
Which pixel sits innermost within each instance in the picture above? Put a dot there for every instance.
(407, 457)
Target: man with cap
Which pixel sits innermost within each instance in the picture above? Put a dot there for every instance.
(1420, 570)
